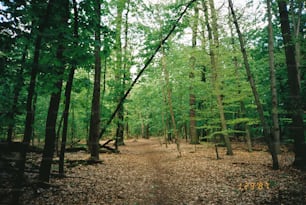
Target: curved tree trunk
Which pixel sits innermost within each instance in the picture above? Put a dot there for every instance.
(68, 94)
(28, 130)
(62, 7)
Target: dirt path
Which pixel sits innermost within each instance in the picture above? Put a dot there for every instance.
(146, 173)
(159, 191)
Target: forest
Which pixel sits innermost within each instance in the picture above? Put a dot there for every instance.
(152, 102)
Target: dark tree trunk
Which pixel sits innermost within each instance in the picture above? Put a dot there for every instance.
(68, 94)
(95, 106)
(45, 167)
(57, 137)
(28, 130)
(120, 127)
(295, 102)
(275, 131)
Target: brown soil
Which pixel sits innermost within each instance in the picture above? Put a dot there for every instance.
(146, 173)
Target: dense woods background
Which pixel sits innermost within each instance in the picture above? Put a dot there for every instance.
(75, 72)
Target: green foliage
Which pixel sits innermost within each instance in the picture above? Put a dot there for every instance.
(145, 105)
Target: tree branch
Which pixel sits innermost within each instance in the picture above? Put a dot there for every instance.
(147, 63)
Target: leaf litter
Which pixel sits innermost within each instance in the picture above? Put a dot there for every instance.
(146, 173)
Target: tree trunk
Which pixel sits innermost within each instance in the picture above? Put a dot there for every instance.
(213, 36)
(142, 126)
(126, 75)
(17, 88)
(295, 102)
(68, 94)
(242, 106)
(275, 130)
(266, 129)
(296, 31)
(167, 126)
(120, 73)
(45, 167)
(95, 106)
(194, 138)
(28, 130)
(59, 128)
(169, 101)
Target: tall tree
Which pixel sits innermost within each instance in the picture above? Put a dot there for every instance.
(60, 18)
(296, 17)
(168, 100)
(213, 36)
(242, 111)
(95, 105)
(126, 72)
(276, 129)
(194, 138)
(68, 90)
(266, 130)
(295, 102)
(120, 73)
(28, 130)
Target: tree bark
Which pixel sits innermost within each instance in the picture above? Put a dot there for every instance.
(95, 105)
(120, 73)
(213, 36)
(169, 102)
(28, 130)
(194, 138)
(62, 7)
(296, 23)
(68, 93)
(126, 74)
(275, 130)
(295, 102)
(266, 129)
(242, 111)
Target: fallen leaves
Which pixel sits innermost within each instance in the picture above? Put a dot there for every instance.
(146, 173)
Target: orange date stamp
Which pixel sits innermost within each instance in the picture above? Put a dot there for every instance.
(254, 186)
